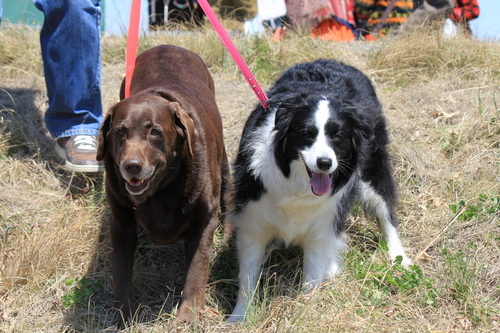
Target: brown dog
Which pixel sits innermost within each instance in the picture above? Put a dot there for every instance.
(166, 168)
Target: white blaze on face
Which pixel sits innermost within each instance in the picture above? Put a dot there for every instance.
(320, 158)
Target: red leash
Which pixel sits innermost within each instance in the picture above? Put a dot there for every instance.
(132, 42)
(228, 43)
(133, 33)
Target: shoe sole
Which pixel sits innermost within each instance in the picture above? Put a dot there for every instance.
(61, 153)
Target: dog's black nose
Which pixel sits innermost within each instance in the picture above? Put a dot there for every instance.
(324, 163)
(133, 166)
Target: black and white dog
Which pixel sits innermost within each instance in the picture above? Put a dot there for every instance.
(319, 145)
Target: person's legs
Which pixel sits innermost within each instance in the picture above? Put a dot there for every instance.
(0, 11)
(428, 11)
(432, 10)
(71, 53)
(70, 41)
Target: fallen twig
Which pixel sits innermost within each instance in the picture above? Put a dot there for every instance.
(457, 215)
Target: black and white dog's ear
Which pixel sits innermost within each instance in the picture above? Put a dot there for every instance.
(285, 106)
(282, 121)
(282, 124)
(287, 111)
(363, 128)
(282, 118)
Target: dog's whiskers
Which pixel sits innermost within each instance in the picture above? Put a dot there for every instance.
(344, 168)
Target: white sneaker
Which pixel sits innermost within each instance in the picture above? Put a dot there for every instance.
(79, 153)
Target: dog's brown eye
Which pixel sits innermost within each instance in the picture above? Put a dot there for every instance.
(155, 132)
(121, 132)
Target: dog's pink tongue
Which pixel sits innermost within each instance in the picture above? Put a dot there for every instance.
(135, 182)
(320, 183)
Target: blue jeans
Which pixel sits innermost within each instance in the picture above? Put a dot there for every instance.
(71, 54)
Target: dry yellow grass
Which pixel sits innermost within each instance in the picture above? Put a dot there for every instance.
(441, 100)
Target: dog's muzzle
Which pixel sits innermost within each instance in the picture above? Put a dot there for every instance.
(137, 186)
(136, 177)
(320, 182)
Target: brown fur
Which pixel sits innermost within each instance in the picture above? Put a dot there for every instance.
(168, 133)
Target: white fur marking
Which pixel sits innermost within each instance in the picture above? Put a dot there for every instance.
(320, 148)
(371, 199)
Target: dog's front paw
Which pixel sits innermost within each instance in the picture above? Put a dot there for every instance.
(234, 318)
(405, 261)
(238, 314)
(185, 314)
(120, 320)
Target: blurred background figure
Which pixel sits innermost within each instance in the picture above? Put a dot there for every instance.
(185, 12)
(369, 16)
(339, 25)
(240, 10)
(464, 11)
(427, 12)
(325, 19)
(271, 16)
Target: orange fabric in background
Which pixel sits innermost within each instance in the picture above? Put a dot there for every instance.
(331, 29)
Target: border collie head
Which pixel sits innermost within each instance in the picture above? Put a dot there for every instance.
(329, 136)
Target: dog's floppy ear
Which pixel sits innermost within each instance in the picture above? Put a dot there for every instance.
(102, 147)
(186, 124)
(283, 151)
(363, 128)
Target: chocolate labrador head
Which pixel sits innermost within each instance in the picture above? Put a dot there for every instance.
(146, 135)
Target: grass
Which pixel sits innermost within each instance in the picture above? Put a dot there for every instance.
(441, 100)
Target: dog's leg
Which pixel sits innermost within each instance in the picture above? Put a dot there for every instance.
(375, 205)
(123, 241)
(322, 258)
(198, 250)
(251, 250)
